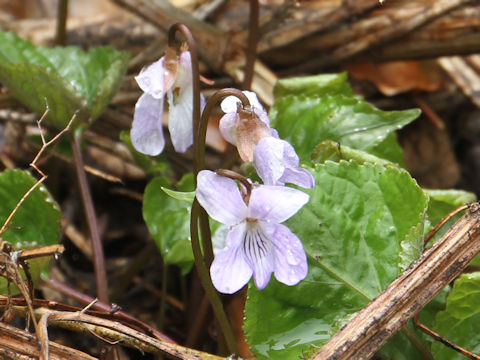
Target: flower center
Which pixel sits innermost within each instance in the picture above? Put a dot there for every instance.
(256, 244)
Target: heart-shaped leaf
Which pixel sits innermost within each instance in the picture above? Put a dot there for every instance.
(358, 230)
(68, 79)
(37, 221)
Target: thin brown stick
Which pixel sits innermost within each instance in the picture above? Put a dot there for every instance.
(97, 247)
(116, 332)
(118, 315)
(51, 250)
(442, 222)
(16, 344)
(33, 164)
(443, 340)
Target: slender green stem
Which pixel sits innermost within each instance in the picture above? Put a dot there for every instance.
(199, 213)
(97, 248)
(62, 14)
(251, 45)
(207, 282)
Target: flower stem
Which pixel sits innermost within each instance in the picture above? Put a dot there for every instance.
(199, 160)
(199, 213)
(251, 45)
(98, 257)
(207, 282)
(202, 129)
(247, 190)
(62, 14)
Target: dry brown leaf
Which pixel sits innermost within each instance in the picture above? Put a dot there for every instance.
(396, 77)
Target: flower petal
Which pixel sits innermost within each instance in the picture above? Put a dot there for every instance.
(290, 260)
(221, 198)
(298, 176)
(268, 160)
(180, 101)
(151, 79)
(180, 122)
(229, 105)
(147, 133)
(277, 162)
(275, 203)
(229, 270)
(228, 127)
(259, 254)
(219, 237)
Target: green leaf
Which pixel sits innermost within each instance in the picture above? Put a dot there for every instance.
(354, 230)
(37, 221)
(66, 78)
(168, 221)
(390, 149)
(318, 85)
(460, 321)
(187, 196)
(305, 121)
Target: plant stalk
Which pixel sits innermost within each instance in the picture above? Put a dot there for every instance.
(251, 52)
(207, 282)
(61, 31)
(97, 248)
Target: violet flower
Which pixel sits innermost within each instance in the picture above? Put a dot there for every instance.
(170, 76)
(277, 163)
(244, 127)
(256, 243)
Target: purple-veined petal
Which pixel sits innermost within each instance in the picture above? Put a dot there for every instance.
(221, 198)
(291, 265)
(258, 251)
(228, 127)
(298, 176)
(275, 203)
(268, 160)
(147, 133)
(151, 79)
(229, 270)
(180, 123)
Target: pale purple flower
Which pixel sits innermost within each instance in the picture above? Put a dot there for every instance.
(256, 243)
(244, 128)
(170, 76)
(277, 163)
